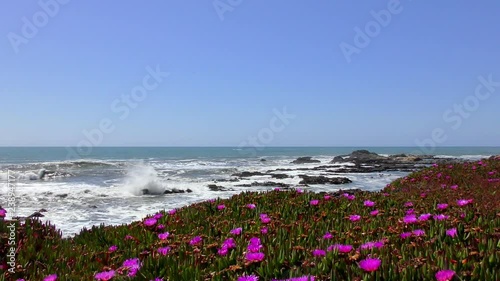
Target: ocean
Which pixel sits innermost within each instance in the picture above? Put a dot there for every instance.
(105, 185)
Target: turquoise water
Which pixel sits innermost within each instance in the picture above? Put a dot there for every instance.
(27, 154)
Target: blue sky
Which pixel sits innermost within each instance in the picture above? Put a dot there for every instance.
(229, 74)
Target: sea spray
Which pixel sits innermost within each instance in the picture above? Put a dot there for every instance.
(143, 179)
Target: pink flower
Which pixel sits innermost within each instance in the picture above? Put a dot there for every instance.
(221, 207)
(369, 203)
(276, 189)
(424, 217)
(254, 245)
(172, 212)
(263, 230)
(314, 202)
(264, 218)
(418, 232)
(150, 222)
(409, 219)
(195, 241)
(452, 232)
(222, 251)
(164, 250)
(248, 278)
(52, 277)
(370, 264)
(300, 190)
(445, 275)
(163, 236)
(354, 217)
(327, 197)
(112, 248)
(158, 216)
(408, 204)
(132, 265)
(349, 196)
(251, 206)
(328, 235)
(3, 212)
(410, 211)
(463, 202)
(236, 231)
(405, 235)
(374, 212)
(319, 253)
(441, 217)
(254, 257)
(105, 275)
(229, 243)
(340, 248)
(371, 245)
(454, 187)
(442, 206)
(160, 226)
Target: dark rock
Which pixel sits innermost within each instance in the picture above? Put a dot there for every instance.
(36, 215)
(247, 174)
(172, 191)
(280, 176)
(267, 183)
(305, 160)
(42, 211)
(323, 180)
(62, 195)
(214, 187)
(189, 190)
(226, 180)
(263, 160)
(93, 207)
(337, 159)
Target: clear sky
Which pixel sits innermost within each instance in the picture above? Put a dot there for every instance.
(350, 75)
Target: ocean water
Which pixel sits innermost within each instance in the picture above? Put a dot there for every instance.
(105, 185)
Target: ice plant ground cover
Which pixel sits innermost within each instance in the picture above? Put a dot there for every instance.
(282, 236)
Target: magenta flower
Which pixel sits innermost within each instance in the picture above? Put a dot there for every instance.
(340, 248)
(302, 278)
(160, 226)
(442, 206)
(349, 196)
(195, 241)
(248, 278)
(319, 253)
(52, 277)
(150, 222)
(251, 206)
(454, 187)
(221, 207)
(327, 197)
(276, 189)
(370, 264)
(263, 230)
(371, 245)
(452, 232)
(405, 235)
(211, 200)
(172, 212)
(158, 216)
(254, 245)
(112, 248)
(463, 202)
(133, 265)
(424, 217)
(314, 202)
(410, 212)
(409, 219)
(236, 231)
(408, 204)
(369, 203)
(418, 232)
(222, 251)
(157, 279)
(229, 243)
(163, 236)
(129, 237)
(164, 250)
(264, 218)
(300, 191)
(445, 275)
(254, 257)
(328, 235)
(3, 212)
(354, 217)
(374, 213)
(441, 217)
